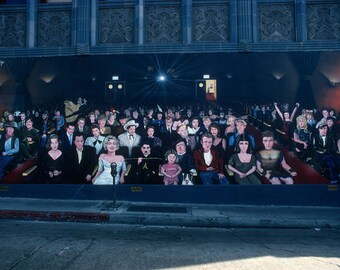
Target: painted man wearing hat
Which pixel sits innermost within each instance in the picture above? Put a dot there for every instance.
(324, 151)
(130, 138)
(145, 165)
(9, 147)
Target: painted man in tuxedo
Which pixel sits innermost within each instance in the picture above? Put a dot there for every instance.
(80, 161)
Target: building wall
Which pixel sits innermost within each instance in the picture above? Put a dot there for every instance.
(91, 27)
(83, 28)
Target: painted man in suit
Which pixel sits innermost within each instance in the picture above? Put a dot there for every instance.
(324, 151)
(145, 165)
(82, 128)
(129, 139)
(67, 137)
(80, 161)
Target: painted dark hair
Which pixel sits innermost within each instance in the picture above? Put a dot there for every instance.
(241, 138)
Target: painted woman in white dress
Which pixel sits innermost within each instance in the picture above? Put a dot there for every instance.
(110, 165)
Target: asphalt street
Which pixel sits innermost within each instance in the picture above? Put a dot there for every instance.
(71, 245)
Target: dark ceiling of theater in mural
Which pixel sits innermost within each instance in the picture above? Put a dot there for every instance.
(259, 74)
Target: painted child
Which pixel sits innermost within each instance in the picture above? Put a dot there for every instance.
(171, 169)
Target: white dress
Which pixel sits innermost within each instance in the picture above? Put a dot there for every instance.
(105, 178)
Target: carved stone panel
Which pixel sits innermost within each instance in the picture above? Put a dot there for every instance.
(163, 25)
(116, 26)
(54, 28)
(276, 22)
(323, 22)
(13, 29)
(211, 23)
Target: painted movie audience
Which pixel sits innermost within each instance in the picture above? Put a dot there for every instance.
(202, 141)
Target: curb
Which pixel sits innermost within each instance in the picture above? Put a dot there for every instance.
(170, 220)
(223, 222)
(54, 216)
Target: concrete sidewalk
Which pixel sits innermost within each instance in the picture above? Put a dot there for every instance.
(165, 214)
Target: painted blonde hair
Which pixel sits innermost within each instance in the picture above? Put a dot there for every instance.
(301, 117)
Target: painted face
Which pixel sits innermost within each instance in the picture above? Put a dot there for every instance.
(146, 149)
(101, 122)
(206, 143)
(29, 124)
(135, 114)
(183, 131)
(325, 113)
(214, 131)
(127, 113)
(243, 146)
(131, 130)
(79, 142)
(171, 158)
(10, 117)
(150, 132)
(95, 132)
(323, 131)
(180, 148)
(240, 127)
(81, 123)
(112, 117)
(231, 121)
(206, 122)
(54, 144)
(123, 121)
(194, 123)
(302, 123)
(330, 123)
(70, 130)
(111, 146)
(145, 121)
(268, 142)
(92, 118)
(10, 131)
(168, 122)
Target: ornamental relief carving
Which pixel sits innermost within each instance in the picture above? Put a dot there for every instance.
(276, 23)
(211, 23)
(54, 29)
(163, 25)
(116, 26)
(323, 22)
(13, 30)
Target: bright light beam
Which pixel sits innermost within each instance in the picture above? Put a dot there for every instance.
(161, 78)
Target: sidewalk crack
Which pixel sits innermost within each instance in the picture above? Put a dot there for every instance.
(29, 255)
